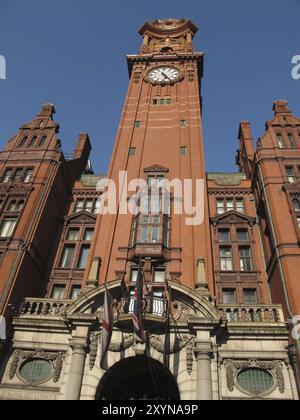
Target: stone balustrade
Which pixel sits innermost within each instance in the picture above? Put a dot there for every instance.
(252, 313)
(44, 307)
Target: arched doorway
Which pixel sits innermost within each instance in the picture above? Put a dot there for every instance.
(138, 378)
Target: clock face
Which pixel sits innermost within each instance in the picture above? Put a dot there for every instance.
(164, 75)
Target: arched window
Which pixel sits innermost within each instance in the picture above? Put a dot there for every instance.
(32, 141)
(292, 142)
(280, 141)
(42, 141)
(23, 142)
(296, 205)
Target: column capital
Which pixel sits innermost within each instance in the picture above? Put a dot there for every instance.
(203, 349)
(78, 343)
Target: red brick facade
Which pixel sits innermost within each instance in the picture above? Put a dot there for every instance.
(245, 252)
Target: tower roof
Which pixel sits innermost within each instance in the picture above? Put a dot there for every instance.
(169, 27)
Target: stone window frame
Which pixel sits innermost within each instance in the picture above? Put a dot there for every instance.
(20, 357)
(274, 368)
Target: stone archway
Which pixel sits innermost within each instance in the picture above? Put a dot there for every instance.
(138, 378)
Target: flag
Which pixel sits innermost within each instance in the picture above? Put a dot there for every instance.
(168, 296)
(138, 304)
(107, 327)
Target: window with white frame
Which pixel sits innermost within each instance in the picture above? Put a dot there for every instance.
(7, 227)
(226, 259)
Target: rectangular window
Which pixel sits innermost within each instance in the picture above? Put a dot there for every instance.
(155, 202)
(291, 175)
(67, 256)
(75, 292)
(7, 227)
(224, 235)
(7, 176)
(137, 124)
(182, 123)
(183, 151)
(73, 235)
(226, 259)
(79, 206)
(144, 234)
(18, 175)
(84, 253)
(240, 207)
(229, 204)
(220, 206)
(58, 292)
(89, 204)
(97, 206)
(245, 259)
(28, 175)
(298, 220)
(88, 235)
(155, 101)
(229, 297)
(292, 142)
(134, 274)
(242, 235)
(250, 297)
(159, 275)
(155, 234)
(132, 151)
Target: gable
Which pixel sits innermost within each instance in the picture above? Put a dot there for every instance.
(233, 217)
(82, 217)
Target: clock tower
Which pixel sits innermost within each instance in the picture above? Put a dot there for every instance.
(159, 138)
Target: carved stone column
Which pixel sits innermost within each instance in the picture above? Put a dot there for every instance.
(203, 352)
(76, 372)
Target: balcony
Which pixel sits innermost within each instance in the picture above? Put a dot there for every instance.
(152, 305)
(44, 307)
(246, 314)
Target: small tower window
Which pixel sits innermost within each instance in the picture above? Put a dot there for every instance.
(280, 141)
(28, 175)
(292, 142)
(32, 141)
(183, 151)
(132, 151)
(138, 124)
(296, 205)
(182, 123)
(42, 141)
(23, 142)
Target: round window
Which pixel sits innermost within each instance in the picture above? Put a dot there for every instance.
(36, 371)
(255, 381)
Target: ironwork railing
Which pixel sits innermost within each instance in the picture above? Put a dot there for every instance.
(151, 305)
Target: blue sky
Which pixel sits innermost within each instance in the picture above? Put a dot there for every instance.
(72, 53)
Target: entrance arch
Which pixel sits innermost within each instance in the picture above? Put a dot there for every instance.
(138, 378)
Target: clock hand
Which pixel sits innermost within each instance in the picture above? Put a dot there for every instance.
(165, 75)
